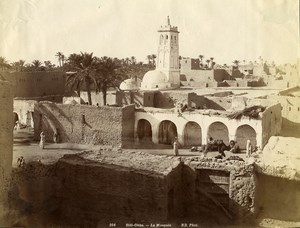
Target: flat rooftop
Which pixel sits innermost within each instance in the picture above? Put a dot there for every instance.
(133, 161)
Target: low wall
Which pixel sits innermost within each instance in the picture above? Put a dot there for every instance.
(84, 123)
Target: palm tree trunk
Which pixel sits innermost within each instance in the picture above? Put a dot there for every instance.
(88, 90)
(104, 93)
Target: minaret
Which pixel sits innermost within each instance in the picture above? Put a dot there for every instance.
(168, 53)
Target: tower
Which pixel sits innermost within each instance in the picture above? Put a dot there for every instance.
(167, 74)
(168, 53)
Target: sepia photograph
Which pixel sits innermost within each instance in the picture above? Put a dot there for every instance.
(149, 113)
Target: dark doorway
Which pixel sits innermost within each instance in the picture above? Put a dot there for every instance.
(213, 184)
(144, 131)
(192, 134)
(243, 133)
(218, 130)
(167, 132)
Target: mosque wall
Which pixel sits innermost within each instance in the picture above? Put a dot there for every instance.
(97, 98)
(84, 124)
(205, 121)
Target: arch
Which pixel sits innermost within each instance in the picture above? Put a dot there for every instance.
(144, 131)
(243, 133)
(218, 130)
(167, 132)
(192, 134)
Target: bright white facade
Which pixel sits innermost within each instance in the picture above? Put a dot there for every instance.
(130, 84)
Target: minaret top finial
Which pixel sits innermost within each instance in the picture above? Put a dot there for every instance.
(168, 20)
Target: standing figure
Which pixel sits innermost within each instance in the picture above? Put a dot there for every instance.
(248, 148)
(175, 146)
(43, 139)
(56, 136)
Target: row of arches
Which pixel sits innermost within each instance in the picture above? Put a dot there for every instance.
(192, 134)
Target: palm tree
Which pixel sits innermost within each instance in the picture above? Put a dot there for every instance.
(3, 63)
(48, 65)
(149, 58)
(110, 75)
(59, 57)
(207, 62)
(211, 62)
(153, 59)
(201, 58)
(36, 64)
(19, 65)
(85, 72)
(236, 62)
(127, 60)
(63, 58)
(133, 60)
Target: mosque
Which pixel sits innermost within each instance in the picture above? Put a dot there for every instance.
(166, 76)
(156, 115)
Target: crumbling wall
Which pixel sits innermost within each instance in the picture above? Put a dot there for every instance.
(218, 103)
(83, 123)
(6, 142)
(242, 182)
(169, 99)
(271, 122)
(118, 191)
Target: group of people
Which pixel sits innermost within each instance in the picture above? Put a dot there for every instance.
(221, 147)
(43, 138)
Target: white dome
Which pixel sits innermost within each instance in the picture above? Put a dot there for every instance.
(130, 84)
(155, 80)
(154, 77)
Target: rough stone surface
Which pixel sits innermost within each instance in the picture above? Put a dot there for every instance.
(242, 182)
(85, 124)
(280, 158)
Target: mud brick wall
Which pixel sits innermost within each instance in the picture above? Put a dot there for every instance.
(80, 192)
(6, 136)
(111, 192)
(169, 99)
(84, 123)
(36, 84)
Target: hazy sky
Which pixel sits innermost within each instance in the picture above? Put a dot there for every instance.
(223, 29)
